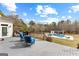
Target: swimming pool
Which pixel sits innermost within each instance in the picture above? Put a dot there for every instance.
(62, 36)
(59, 35)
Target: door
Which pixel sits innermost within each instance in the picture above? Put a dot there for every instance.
(4, 31)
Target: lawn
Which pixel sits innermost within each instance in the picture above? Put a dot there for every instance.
(71, 43)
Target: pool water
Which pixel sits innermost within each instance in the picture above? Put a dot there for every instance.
(58, 35)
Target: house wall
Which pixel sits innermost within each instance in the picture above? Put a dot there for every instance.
(9, 29)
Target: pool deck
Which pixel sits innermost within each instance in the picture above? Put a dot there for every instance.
(13, 47)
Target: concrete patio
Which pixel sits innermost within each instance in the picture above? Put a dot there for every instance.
(13, 47)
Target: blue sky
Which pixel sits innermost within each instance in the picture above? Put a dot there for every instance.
(42, 12)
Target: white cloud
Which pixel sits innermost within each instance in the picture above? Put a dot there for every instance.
(45, 10)
(69, 17)
(49, 20)
(28, 20)
(39, 9)
(25, 14)
(63, 17)
(43, 21)
(70, 11)
(33, 19)
(66, 17)
(30, 8)
(50, 10)
(10, 6)
(75, 8)
(43, 15)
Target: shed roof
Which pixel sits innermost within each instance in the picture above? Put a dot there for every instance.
(5, 19)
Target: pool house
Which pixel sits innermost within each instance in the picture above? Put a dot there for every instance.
(58, 31)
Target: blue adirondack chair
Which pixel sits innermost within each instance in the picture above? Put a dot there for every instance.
(29, 39)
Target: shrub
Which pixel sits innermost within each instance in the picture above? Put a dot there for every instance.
(49, 39)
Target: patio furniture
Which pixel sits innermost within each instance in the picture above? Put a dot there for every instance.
(29, 40)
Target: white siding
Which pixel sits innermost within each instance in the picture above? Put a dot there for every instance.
(9, 29)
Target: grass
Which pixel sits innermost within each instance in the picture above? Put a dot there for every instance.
(71, 43)
(65, 42)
